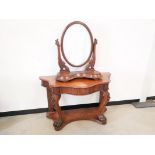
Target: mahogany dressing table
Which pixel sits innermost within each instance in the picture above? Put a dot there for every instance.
(76, 83)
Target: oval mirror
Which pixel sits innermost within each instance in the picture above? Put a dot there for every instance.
(77, 44)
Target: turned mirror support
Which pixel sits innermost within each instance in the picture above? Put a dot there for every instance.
(91, 63)
(61, 63)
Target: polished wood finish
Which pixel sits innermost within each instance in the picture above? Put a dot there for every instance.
(75, 87)
(65, 74)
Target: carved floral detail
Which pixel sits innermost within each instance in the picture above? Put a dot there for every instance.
(53, 103)
(108, 94)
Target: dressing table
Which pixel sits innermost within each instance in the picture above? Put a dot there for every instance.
(81, 82)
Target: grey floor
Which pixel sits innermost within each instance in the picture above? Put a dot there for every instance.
(121, 119)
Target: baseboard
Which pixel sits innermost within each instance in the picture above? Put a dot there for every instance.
(41, 110)
(151, 98)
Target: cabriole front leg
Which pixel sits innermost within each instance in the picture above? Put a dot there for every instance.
(54, 110)
(104, 98)
(58, 121)
(51, 101)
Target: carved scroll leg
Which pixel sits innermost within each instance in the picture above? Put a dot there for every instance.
(104, 98)
(51, 101)
(100, 100)
(58, 124)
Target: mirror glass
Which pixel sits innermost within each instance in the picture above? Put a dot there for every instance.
(77, 44)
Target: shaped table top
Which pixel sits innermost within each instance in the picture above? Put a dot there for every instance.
(76, 83)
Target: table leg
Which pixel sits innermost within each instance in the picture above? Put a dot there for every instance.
(59, 121)
(104, 98)
(51, 101)
(54, 110)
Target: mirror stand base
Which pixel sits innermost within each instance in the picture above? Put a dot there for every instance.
(67, 76)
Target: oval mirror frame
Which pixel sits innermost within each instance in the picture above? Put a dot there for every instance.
(62, 41)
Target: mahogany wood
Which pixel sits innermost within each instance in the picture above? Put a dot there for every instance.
(75, 87)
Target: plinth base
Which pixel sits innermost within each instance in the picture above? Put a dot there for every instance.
(76, 114)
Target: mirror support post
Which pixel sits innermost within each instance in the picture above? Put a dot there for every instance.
(89, 72)
(91, 63)
(61, 63)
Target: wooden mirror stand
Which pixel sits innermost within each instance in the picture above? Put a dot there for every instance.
(65, 74)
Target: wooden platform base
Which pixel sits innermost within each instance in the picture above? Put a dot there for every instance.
(76, 114)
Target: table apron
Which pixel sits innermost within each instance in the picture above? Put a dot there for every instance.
(78, 91)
